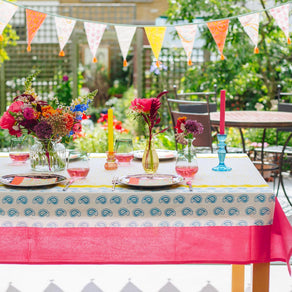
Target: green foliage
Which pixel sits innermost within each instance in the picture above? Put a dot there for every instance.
(248, 78)
(63, 91)
(9, 39)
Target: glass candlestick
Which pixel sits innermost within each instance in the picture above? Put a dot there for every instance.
(221, 154)
(111, 162)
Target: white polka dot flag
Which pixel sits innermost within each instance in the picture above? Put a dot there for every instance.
(7, 11)
(64, 28)
(125, 35)
(281, 16)
(94, 33)
(155, 37)
(250, 24)
(187, 35)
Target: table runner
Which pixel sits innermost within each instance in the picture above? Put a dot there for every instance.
(228, 218)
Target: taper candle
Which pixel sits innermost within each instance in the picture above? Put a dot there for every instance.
(222, 111)
(110, 126)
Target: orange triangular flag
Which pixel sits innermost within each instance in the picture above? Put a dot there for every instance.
(219, 30)
(34, 20)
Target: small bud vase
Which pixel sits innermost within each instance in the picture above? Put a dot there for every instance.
(150, 160)
(47, 155)
(186, 162)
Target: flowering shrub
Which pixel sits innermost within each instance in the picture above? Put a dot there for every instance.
(103, 120)
(30, 115)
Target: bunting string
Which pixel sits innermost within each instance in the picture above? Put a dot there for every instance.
(94, 30)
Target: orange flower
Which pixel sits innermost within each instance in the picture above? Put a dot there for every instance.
(69, 121)
(47, 111)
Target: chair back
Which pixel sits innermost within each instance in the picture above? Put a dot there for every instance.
(283, 106)
(204, 139)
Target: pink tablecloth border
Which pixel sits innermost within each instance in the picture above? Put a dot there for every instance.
(149, 245)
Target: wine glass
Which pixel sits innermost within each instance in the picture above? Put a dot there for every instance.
(78, 164)
(124, 151)
(19, 149)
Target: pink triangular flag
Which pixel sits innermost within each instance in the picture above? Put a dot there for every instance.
(219, 30)
(94, 33)
(7, 11)
(187, 35)
(250, 24)
(64, 28)
(34, 20)
(281, 16)
(125, 35)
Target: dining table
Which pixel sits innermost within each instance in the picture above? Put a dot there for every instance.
(253, 119)
(223, 218)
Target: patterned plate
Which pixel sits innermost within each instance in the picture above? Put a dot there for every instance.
(150, 180)
(162, 154)
(29, 180)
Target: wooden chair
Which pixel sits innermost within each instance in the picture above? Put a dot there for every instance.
(200, 101)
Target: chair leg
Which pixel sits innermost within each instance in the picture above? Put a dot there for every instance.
(284, 190)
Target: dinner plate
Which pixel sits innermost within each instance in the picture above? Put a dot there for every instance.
(31, 179)
(150, 180)
(163, 154)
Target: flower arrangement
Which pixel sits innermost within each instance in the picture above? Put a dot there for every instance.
(118, 126)
(148, 109)
(28, 115)
(186, 130)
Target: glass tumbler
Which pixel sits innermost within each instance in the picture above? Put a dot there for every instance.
(78, 164)
(124, 151)
(19, 149)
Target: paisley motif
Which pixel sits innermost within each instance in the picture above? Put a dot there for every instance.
(69, 200)
(228, 199)
(29, 212)
(164, 199)
(133, 199)
(233, 211)
(202, 212)
(84, 200)
(179, 199)
(52, 200)
(22, 200)
(60, 212)
(124, 212)
(155, 212)
(169, 212)
(101, 200)
(116, 200)
(147, 199)
(106, 213)
(92, 212)
(75, 213)
(7, 200)
(211, 199)
(187, 211)
(219, 211)
(196, 199)
(243, 198)
(138, 212)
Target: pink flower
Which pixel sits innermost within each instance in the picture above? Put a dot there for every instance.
(16, 106)
(7, 121)
(15, 132)
(141, 105)
(77, 128)
(29, 113)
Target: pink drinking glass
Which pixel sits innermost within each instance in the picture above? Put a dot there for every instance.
(78, 164)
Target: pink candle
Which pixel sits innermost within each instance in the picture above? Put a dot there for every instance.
(222, 111)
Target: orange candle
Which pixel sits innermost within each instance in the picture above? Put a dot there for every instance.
(110, 119)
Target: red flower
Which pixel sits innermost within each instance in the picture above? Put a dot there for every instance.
(103, 118)
(141, 105)
(7, 121)
(15, 107)
(77, 128)
(181, 120)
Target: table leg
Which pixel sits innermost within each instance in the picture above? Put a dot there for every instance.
(260, 277)
(237, 278)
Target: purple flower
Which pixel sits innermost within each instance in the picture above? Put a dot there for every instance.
(65, 78)
(43, 130)
(29, 113)
(194, 127)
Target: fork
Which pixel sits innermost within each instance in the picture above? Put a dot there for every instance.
(114, 182)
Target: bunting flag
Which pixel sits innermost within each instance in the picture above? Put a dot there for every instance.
(281, 16)
(94, 33)
(7, 11)
(155, 35)
(34, 20)
(125, 35)
(187, 35)
(64, 28)
(250, 24)
(219, 30)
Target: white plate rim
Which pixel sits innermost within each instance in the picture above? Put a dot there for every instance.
(179, 178)
(61, 178)
(138, 156)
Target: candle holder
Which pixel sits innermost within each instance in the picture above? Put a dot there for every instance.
(221, 154)
(111, 162)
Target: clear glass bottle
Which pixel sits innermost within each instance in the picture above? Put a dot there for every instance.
(150, 160)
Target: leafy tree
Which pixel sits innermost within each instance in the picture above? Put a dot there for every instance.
(248, 78)
(9, 39)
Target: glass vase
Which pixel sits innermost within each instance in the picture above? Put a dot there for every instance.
(47, 155)
(150, 160)
(186, 162)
